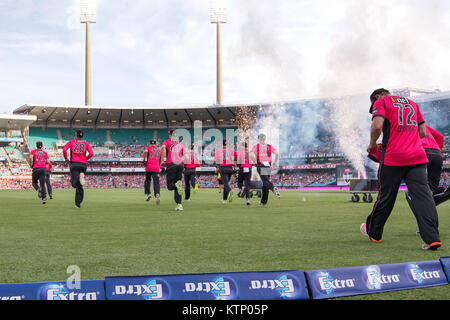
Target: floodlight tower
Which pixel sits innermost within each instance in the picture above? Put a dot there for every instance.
(218, 15)
(88, 15)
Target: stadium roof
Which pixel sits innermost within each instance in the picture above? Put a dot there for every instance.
(129, 117)
(15, 121)
(154, 117)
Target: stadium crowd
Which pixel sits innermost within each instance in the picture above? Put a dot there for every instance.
(15, 172)
(136, 180)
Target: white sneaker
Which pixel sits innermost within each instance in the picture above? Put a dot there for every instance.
(362, 228)
(432, 246)
(276, 192)
(147, 198)
(179, 207)
(82, 180)
(248, 202)
(158, 200)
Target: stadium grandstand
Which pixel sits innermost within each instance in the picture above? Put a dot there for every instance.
(118, 136)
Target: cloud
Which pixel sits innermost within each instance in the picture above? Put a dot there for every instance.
(163, 52)
(380, 45)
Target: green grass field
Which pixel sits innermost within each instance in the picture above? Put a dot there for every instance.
(117, 233)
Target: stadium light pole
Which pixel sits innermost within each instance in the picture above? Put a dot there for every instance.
(218, 15)
(88, 15)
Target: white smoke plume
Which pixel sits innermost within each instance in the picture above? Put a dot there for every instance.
(367, 45)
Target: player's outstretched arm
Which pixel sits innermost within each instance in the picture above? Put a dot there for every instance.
(375, 132)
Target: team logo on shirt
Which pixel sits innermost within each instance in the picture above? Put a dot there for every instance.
(402, 100)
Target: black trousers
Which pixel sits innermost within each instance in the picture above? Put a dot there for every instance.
(75, 169)
(245, 177)
(419, 197)
(434, 168)
(148, 180)
(264, 173)
(240, 179)
(174, 173)
(38, 181)
(225, 174)
(48, 184)
(189, 182)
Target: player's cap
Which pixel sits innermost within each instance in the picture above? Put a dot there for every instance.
(373, 96)
(39, 144)
(171, 131)
(80, 133)
(153, 141)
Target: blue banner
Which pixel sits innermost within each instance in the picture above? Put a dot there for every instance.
(331, 283)
(227, 286)
(88, 290)
(262, 285)
(445, 261)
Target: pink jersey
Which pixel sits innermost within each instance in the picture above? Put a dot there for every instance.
(263, 153)
(153, 159)
(402, 117)
(78, 149)
(243, 159)
(39, 158)
(192, 162)
(174, 151)
(433, 139)
(225, 157)
(49, 166)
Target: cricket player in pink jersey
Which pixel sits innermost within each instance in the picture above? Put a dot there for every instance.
(80, 153)
(245, 170)
(172, 154)
(402, 158)
(39, 160)
(262, 157)
(191, 162)
(152, 160)
(224, 159)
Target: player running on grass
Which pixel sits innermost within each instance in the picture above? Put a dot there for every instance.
(262, 156)
(224, 159)
(152, 160)
(245, 170)
(402, 158)
(172, 153)
(39, 160)
(80, 153)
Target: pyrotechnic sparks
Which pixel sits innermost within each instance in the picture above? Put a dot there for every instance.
(246, 117)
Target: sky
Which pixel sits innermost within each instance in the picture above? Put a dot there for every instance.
(163, 52)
